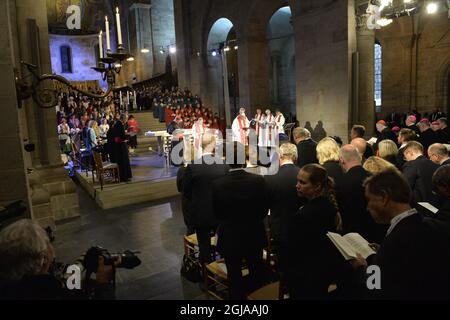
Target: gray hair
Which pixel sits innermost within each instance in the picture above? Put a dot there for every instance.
(301, 133)
(289, 151)
(23, 247)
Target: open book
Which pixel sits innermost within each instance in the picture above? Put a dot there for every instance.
(350, 244)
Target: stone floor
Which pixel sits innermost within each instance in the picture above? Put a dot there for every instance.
(155, 229)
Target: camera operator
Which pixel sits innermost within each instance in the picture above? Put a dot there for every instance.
(26, 258)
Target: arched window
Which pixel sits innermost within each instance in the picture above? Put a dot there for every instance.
(378, 69)
(66, 59)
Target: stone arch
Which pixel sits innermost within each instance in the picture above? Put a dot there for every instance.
(281, 49)
(217, 35)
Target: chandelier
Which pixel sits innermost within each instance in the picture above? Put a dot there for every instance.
(382, 12)
(41, 87)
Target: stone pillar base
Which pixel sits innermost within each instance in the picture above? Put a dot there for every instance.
(54, 197)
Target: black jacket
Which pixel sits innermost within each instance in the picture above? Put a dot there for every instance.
(419, 173)
(444, 211)
(427, 138)
(446, 162)
(334, 170)
(283, 200)
(307, 153)
(240, 204)
(414, 260)
(197, 183)
(311, 266)
(353, 206)
(386, 134)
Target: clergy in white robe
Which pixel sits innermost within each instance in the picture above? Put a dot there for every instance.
(258, 120)
(267, 132)
(240, 127)
(279, 122)
(198, 129)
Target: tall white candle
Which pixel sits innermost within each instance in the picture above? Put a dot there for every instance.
(119, 28)
(100, 44)
(108, 41)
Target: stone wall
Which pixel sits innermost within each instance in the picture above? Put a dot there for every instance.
(83, 57)
(415, 68)
(13, 178)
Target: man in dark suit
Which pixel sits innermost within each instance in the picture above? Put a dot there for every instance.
(438, 153)
(350, 194)
(185, 205)
(306, 147)
(441, 183)
(412, 243)
(444, 130)
(358, 131)
(427, 135)
(197, 182)
(282, 198)
(406, 135)
(240, 204)
(418, 171)
(410, 123)
(384, 133)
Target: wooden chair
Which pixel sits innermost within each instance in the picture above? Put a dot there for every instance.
(268, 292)
(215, 279)
(103, 168)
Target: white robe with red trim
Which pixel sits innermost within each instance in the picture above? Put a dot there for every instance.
(279, 123)
(238, 127)
(267, 132)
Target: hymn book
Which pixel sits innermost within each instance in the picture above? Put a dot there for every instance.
(350, 244)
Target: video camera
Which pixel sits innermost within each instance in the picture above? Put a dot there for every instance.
(129, 258)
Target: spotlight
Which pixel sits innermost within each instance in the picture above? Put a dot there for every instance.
(145, 50)
(236, 47)
(172, 49)
(227, 48)
(130, 59)
(118, 65)
(214, 53)
(432, 8)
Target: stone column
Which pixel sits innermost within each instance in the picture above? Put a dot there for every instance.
(323, 61)
(143, 34)
(13, 177)
(253, 73)
(366, 105)
(53, 193)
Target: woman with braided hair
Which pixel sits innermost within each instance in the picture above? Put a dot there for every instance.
(313, 259)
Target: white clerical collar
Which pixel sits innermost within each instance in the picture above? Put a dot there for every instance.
(395, 221)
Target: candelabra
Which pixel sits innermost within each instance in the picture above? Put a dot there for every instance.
(44, 94)
(46, 97)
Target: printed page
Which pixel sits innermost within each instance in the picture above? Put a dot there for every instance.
(343, 246)
(359, 244)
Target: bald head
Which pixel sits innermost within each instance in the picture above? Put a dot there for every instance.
(438, 153)
(349, 157)
(360, 144)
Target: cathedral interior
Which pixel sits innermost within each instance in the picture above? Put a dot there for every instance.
(325, 65)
